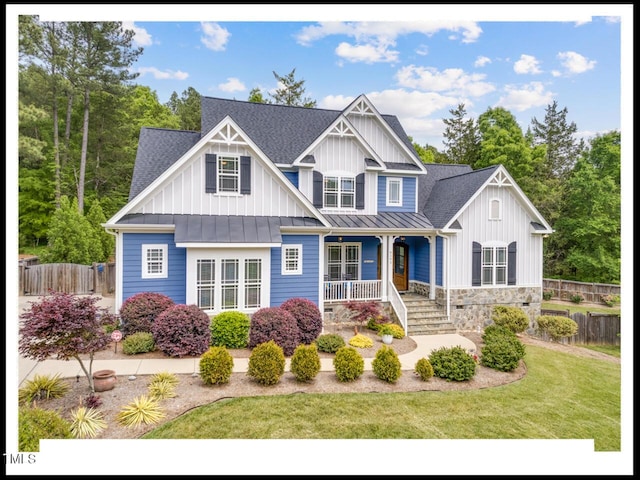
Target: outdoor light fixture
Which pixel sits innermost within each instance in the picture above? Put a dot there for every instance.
(340, 239)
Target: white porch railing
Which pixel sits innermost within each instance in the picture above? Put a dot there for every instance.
(341, 290)
(398, 306)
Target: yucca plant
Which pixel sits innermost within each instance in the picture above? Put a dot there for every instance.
(87, 422)
(162, 389)
(42, 387)
(143, 409)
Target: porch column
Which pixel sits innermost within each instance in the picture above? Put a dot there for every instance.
(384, 267)
(432, 267)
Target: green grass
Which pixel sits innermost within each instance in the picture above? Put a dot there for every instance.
(613, 350)
(561, 397)
(575, 308)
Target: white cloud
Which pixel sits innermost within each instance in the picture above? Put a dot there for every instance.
(142, 38)
(525, 97)
(575, 63)
(527, 64)
(481, 61)
(215, 37)
(454, 81)
(232, 85)
(366, 53)
(163, 75)
(422, 50)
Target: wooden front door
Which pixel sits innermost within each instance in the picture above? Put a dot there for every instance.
(401, 266)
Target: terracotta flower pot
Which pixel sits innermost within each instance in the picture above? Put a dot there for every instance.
(104, 380)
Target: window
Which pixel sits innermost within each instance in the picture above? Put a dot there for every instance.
(154, 261)
(229, 284)
(394, 192)
(343, 261)
(228, 174)
(252, 281)
(292, 260)
(495, 209)
(494, 265)
(339, 192)
(206, 283)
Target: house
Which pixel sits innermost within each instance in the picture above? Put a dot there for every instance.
(270, 202)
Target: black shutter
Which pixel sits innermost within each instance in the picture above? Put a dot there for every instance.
(476, 265)
(210, 172)
(360, 191)
(318, 188)
(511, 264)
(245, 175)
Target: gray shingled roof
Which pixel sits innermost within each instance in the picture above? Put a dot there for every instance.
(221, 228)
(158, 149)
(383, 220)
(402, 166)
(448, 194)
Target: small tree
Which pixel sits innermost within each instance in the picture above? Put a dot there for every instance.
(66, 326)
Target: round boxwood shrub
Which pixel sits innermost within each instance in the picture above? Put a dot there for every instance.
(496, 330)
(182, 330)
(230, 329)
(139, 342)
(513, 318)
(502, 352)
(266, 363)
(330, 342)
(36, 423)
(386, 364)
(453, 363)
(139, 311)
(348, 364)
(274, 323)
(308, 317)
(305, 362)
(216, 366)
(424, 369)
(557, 326)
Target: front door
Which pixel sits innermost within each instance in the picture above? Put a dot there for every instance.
(401, 266)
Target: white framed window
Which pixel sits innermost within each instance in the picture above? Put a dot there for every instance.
(252, 282)
(291, 260)
(339, 192)
(342, 261)
(394, 192)
(494, 265)
(154, 261)
(228, 174)
(206, 282)
(495, 209)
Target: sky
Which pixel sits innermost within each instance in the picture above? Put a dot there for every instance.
(416, 62)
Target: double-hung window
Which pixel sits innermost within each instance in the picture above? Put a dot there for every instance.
(494, 265)
(394, 192)
(291, 259)
(154, 261)
(228, 174)
(339, 192)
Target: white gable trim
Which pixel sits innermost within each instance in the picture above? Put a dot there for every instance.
(227, 132)
(501, 178)
(363, 106)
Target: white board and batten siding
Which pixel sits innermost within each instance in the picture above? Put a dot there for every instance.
(476, 219)
(184, 192)
(379, 139)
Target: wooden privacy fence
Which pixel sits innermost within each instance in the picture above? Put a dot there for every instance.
(39, 279)
(590, 292)
(593, 328)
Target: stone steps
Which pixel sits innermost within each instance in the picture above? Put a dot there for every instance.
(425, 316)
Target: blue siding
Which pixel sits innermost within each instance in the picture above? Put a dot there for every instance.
(368, 254)
(408, 195)
(174, 286)
(284, 287)
(439, 263)
(293, 177)
(420, 251)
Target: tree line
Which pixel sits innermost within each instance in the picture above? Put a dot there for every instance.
(80, 115)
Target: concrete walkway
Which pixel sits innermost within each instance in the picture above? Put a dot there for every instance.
(148, 366)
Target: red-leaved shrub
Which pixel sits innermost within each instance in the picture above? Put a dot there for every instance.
(308, 318)
(139, 311)
(274, 323)
(182, 330)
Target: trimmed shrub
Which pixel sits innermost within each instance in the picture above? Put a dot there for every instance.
(330, 342)
(386, 364)
(277, 324)
(424, 369)
(182, 330)
(495, 330)
(139, 342)
(557, 326)
(393, 329)
(37, 423)
(216, 366)
(513, 318)
(361, 341)
(502, 350)
(230, 329)
(374, 323)
(139, 311)
(348, 364)
(305, 362)
(308, 317)
(453, 363)
(266, 363)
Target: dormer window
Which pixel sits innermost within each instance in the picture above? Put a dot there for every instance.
(339, 192)
(394, 192)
